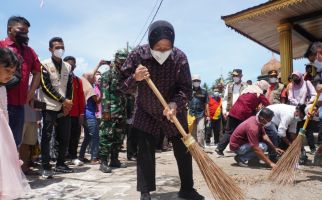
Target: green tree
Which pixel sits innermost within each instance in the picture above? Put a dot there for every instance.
(206, 87)
(229, 78)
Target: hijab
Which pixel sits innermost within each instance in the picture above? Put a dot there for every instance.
(159, 30)
(300, 76)
(256, 88)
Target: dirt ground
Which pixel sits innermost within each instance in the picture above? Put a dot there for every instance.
(87, 182)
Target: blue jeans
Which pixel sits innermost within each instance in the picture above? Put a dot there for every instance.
(91, 136)
(246, 153)
(271, 132)
(16, 121)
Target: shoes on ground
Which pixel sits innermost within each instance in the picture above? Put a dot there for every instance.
(95, 162)
(219, 152)
(77, 162)
(240, 162)
(105, 168)
(145, 196)
(47, 174)
(84, 160)
(63, 168)
(190, 195)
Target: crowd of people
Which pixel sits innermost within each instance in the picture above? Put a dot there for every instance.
(44, 107)
(245, 114)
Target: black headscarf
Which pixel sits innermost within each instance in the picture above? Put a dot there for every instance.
(159, 30)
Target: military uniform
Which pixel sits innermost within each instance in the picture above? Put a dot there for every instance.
(112, 131)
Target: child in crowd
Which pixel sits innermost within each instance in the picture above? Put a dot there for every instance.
(13, 183)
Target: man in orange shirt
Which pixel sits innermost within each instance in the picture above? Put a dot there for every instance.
(215, 112)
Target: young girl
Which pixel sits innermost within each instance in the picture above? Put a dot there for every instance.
(13, 183)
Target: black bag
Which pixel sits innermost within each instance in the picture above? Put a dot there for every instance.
(17, 76)
(15, 79)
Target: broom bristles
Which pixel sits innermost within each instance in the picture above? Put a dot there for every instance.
(219, 183)
(284, 172)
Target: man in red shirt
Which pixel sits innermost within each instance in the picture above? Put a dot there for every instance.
(76, 114)
(18, 95)
(246, 106)
(247, 137)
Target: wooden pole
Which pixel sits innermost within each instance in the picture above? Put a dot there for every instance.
(286, 52)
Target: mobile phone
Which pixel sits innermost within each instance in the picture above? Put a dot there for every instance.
(39, 105)
(108, 62)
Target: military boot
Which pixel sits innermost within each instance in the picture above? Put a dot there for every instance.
(104, 167)
(115, 160)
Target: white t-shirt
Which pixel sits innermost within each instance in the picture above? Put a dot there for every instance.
(284, 118)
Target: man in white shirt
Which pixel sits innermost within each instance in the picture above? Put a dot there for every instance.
(285, 120)
(232, 91)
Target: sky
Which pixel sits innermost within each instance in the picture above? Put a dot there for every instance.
(95, 29)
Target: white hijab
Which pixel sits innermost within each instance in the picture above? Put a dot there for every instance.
(256, 88)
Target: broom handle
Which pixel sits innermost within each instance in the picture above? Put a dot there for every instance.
(165, 105)
(311, 110)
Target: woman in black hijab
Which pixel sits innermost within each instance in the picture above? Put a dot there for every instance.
(168, 68)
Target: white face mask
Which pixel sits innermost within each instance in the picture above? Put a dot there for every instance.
(236, 79)
(297, 118)
(272, 80)
(318, 65)
(159, 56)
(267, 124)
(216, 94)
(59, 53)
(196, 84)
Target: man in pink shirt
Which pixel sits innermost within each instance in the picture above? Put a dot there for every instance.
(250, 141)
(18, 93)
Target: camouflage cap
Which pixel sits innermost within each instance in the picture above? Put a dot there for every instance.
(121, 54)
(237, 72)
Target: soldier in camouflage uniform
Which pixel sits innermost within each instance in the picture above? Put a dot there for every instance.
(112, 127)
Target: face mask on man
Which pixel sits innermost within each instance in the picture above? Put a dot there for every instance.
(236, 79)
(196, 84)
(59, 53)
(216, 94)
(297, 118)
(22, 38)
(318, 65)
(159, 56)
(272, 80)
(267, 124)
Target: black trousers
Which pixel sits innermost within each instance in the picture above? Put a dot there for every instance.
(231, 125)
(160, 139)
(75, 131)
(131, 143)
(53, 119)
(146, 162)
(215, 128)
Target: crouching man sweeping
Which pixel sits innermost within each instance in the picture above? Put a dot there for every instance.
(249, 140)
